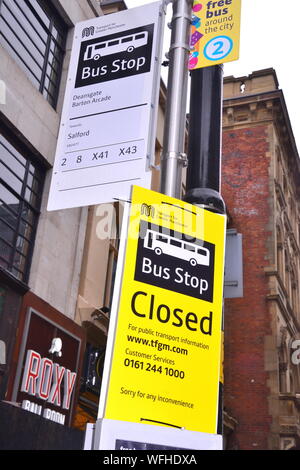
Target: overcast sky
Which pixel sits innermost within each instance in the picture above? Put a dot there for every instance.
(269, 38)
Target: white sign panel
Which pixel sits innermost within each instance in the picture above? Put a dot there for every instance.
(121, 435)
(107, 133)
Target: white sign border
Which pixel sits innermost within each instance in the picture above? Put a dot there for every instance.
(91, 198)
(108, 431)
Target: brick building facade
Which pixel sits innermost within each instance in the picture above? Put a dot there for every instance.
(260, 185)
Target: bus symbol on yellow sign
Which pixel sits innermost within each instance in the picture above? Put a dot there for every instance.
(173, 261)
(177, 248)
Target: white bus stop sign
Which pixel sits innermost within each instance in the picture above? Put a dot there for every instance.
(107, 133)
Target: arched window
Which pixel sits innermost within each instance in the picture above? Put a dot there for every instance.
(278, 169)
(287, 274)
(282, 360)
(294, 291)
(279, 243)
(291, 384)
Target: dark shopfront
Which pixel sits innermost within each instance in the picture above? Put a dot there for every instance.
(41, 378)
(11, 295)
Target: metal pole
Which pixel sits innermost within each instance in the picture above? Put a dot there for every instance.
(203, 183)
(173, 157)
(205, 129)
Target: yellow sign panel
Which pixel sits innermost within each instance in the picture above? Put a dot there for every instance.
(166, 359)
(215, 32)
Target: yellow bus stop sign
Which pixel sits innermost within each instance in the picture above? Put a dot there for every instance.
(215, 32)
(167, 351)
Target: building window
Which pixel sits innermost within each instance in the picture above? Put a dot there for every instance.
(33, 33)
(21, 185)
(294, 292)
(280, 254)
